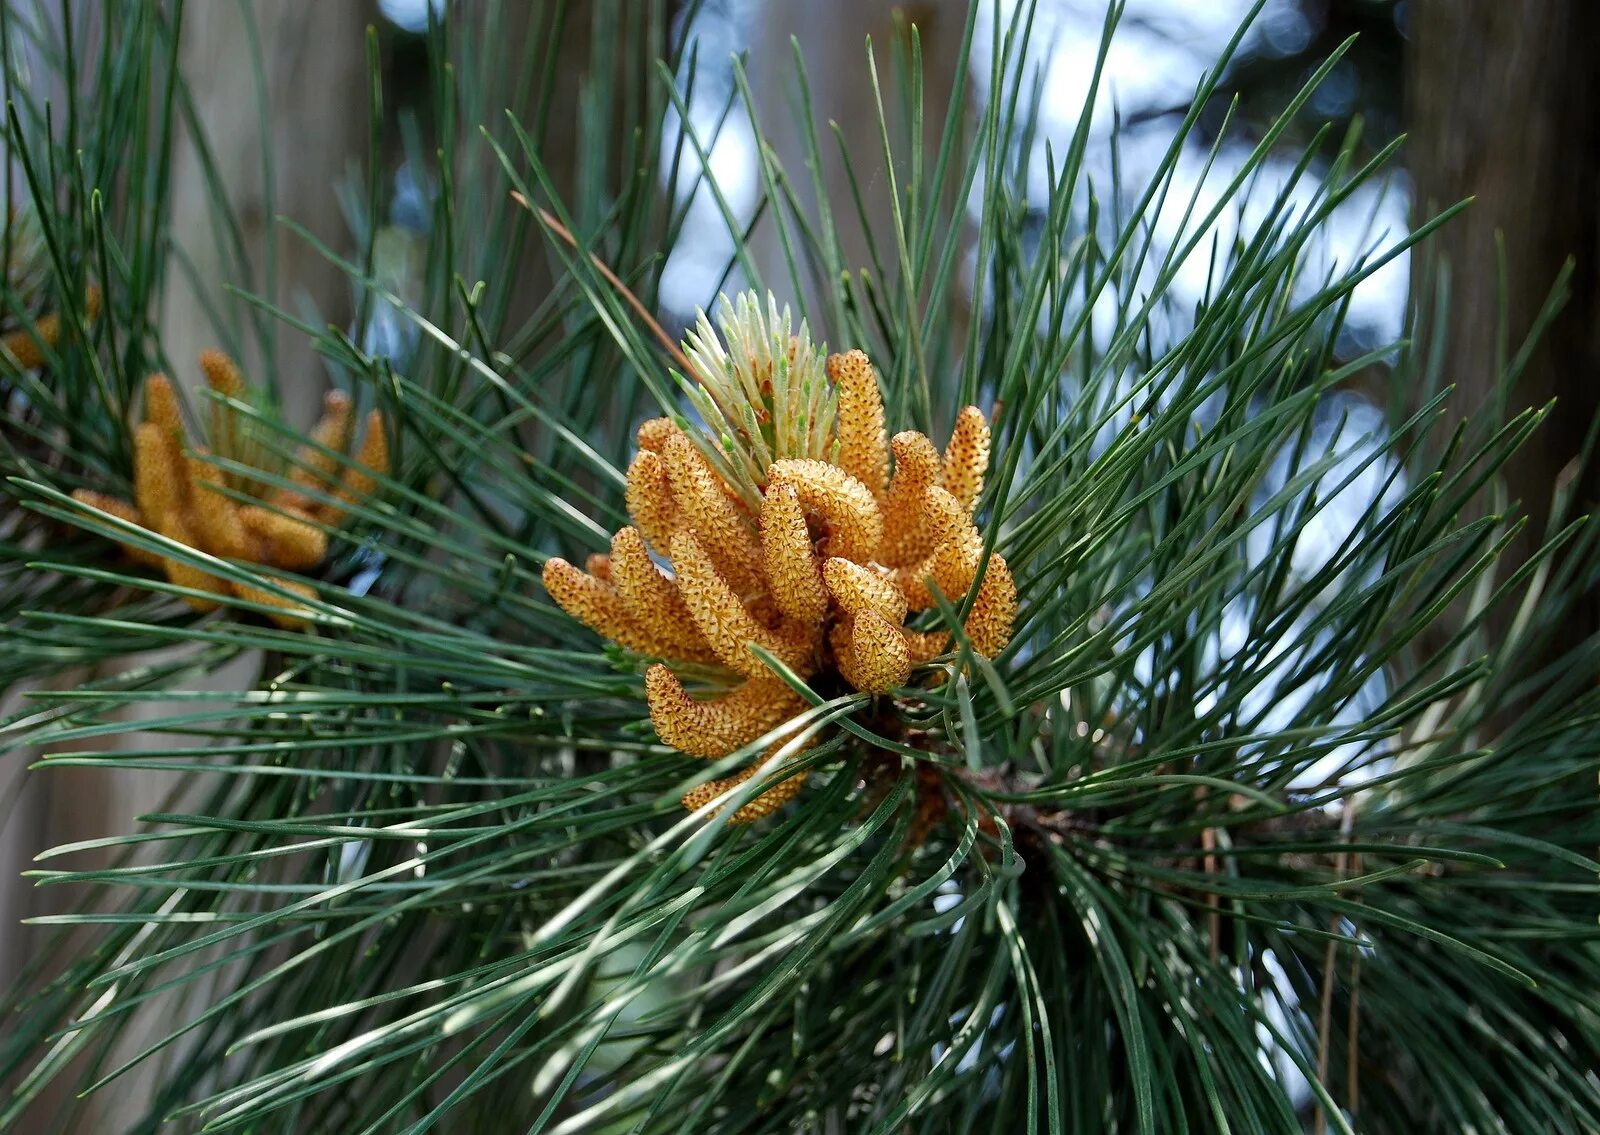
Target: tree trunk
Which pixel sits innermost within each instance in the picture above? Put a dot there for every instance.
(315, 114)
(580, 105)
(833, 38)
(313, 60)
(1505, 107)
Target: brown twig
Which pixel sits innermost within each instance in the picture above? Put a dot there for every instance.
(623, 290)
(1325, 1010)
(1208, 842)
(1353, 1033)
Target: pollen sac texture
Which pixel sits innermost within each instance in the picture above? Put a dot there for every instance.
(821, 579)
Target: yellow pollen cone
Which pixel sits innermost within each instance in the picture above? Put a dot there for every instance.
(791, 561)
(906, 537)
(844, 503)
(994, 610)
(728, 627)
(709, 513)
(759, 808)
(863, 452)
(122, 510)
(966, 458)
(649, 499)
(717, 726)
(653, 599)
(286, 540)
(882, 657)
(314, 469)
(654, 434)
(600, 607)
(858, 590)
(161, 405)
(215, 518)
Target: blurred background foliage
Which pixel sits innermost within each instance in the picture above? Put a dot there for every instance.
(1289, 776)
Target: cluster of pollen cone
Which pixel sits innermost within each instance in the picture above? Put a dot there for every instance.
(27, 346)
(823, 577)
(177, 493)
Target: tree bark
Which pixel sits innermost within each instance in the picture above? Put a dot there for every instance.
(314, 62)
(1505, 107)
(575, 107)
(833, 37)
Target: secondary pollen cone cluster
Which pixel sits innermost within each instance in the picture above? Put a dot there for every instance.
(823, 576)
(177, 494)
(28, 346)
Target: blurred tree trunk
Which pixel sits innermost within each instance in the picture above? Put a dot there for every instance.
(314, 72)
(514, 39)
(313, 103)
(571, 72)
(833, 43)
(1505, 107)
(313, 57)
(314, 83)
